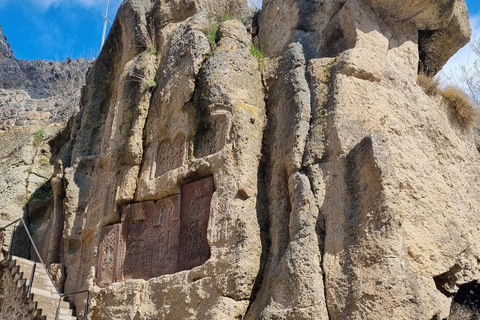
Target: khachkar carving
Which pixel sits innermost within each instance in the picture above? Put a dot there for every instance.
(156, 238)
(108, 254)
(137, 234)
(218, 135)
(166, 233)
(194, 248)
(170, 155)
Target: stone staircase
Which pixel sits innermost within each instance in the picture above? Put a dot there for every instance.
(43, 292)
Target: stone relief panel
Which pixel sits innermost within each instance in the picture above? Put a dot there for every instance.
(137, 234)
(107, 254)
(196, 199)
(169, 155)
(166, 232)
(218, 135)
(157, 237)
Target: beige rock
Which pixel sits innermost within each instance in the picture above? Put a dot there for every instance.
(33, 115)
(437, 46)
(342, 190)
(116, 159)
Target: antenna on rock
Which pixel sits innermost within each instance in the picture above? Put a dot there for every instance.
(105, 24)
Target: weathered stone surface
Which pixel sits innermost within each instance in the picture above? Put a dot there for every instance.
(196, 199)
(135, 143)
(332, 187)
(15, 303)
(108, 253)
(437, 46)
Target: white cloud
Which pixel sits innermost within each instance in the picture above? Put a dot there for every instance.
(464, 55)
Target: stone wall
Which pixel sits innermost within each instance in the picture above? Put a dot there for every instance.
(14, 303)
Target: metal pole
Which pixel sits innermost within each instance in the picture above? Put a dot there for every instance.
(85, 312)
(57, 313)
(11, 242)
(105, 24)
(30, 285)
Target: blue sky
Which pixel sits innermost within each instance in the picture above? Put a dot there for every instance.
(57, 29)
(54, 29)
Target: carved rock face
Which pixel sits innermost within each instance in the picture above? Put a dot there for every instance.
(331, 187)
(157, 238)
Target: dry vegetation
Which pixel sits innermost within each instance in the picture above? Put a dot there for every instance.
(429, 84)
(462, 108)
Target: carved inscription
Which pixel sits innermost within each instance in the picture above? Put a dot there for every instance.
(218, 135)
(166, 232)
(196, 198)
(138, 240)
(156, 238)
(170, 155)
(108, 254)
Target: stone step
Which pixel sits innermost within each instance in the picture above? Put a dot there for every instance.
(45, 293)
(50, 302)
(40, 282)
(51, 315)
(50, 310)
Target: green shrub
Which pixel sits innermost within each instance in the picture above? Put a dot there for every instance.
(225, 17)
(212, 33)
(463, 110)
(38, 136)
(212, 30)
(256, 52)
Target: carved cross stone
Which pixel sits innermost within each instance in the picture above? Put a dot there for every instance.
(108, 254)
(194, 248)
(157, 238)
(166, 232)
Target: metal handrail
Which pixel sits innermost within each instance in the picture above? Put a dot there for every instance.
(39, 256)
(89, 293)
(61, 295)
(8, 225)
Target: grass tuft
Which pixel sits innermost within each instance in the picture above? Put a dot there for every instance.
(212, 33)
(463, 109)
(212, 30)
(38, 136)
(225, 17)
(429, 84)
(140, 78)
(257, 53)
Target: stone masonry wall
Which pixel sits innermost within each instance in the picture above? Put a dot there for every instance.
(14, 303)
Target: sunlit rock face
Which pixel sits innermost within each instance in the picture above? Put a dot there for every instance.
(205, 182)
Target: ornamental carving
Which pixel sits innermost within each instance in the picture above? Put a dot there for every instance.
(157, 237)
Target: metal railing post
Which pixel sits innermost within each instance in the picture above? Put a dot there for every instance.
(11, 242)
(57, 313)
(85, 312)
(30, 284)
(90, 295)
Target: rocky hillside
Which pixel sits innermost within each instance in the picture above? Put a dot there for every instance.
(36, 99)
(37, 91)
(289, 168)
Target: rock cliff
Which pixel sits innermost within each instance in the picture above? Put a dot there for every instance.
(37, 92)
(204, 181)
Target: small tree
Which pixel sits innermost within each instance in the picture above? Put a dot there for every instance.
(468, 73)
